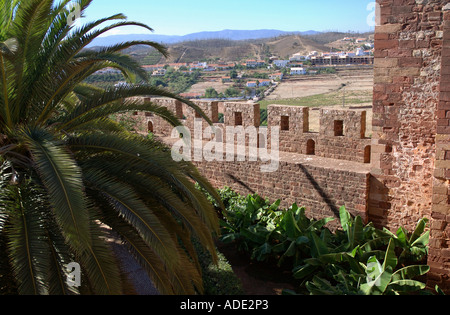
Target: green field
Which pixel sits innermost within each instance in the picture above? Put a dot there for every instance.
(322, 100)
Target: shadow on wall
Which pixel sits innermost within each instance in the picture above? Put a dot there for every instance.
(379, 204)
(325, 197)
(240, 183)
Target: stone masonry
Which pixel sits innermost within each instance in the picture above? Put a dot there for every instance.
(410, 169)
(317, 175)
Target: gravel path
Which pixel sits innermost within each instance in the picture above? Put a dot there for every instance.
(138, 277)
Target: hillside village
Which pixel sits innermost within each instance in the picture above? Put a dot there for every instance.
(254, 77)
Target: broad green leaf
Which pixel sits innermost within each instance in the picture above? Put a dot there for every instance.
(376, 243)
(318, 247)
(357, 231)
(289, 225)
(320, 286)
(229, 238)
(390, 260)
(406, 285)
(402, 236)
(410, 272)
(378, 278)
(345, 218)
(304, 271)
(420, 228)
(316, 225)
(282, 247)
(302, 240)
(254, 234)
(275, 205)
(291, 250)
(262, 251)
(422, 240)
(314, 261)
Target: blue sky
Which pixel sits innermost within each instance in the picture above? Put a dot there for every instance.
(180, 17)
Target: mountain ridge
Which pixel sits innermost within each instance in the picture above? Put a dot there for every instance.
(174, 39)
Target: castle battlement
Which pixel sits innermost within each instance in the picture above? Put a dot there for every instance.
(341, 135)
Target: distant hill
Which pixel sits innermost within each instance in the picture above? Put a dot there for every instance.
(172, 39)
(234, 50)
(282, 45)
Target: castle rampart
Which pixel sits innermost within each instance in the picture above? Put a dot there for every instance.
(318, 176)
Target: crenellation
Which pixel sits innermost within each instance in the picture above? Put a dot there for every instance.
(293, 122)
(307, 159)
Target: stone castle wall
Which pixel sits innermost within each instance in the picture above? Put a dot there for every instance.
(410, 176)
(316, 179)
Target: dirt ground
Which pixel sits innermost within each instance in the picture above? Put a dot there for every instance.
(258, 279)
(359, 82)
(302, 86)
(215, 84)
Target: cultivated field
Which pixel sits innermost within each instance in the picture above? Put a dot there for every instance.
(345, 89)
(216, 84)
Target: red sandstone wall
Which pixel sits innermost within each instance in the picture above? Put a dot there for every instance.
(439, 254)
(410, 126)
(318, 182)
(321, 189)
(406, 90)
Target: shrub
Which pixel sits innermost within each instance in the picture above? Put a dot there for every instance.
(355, 259)
(218, 279)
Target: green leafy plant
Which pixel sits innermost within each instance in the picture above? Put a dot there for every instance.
(355, 259)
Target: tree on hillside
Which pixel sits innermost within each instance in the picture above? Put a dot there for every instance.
(211, 93)
(71, 178)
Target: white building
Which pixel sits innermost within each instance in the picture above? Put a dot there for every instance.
(300, 71)
(297, 57)
(361, 52)
(281, 63)
(265, 82)
(159, 72)
(276, 76)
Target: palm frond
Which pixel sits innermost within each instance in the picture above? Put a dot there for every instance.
(27, 248)
(99, 263)
(62, 179)
(128, 205)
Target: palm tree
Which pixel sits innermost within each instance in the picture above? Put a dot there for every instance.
(71, 177)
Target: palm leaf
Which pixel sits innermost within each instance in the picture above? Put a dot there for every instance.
(27, 248)
(62, 179)
(128, 205)
(100, 264)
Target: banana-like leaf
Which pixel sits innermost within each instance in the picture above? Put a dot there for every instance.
(406, 286)
(318, 246)
(410, 272)
(390, 260)
(345, 218)
(378, 277)
(418, 231)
